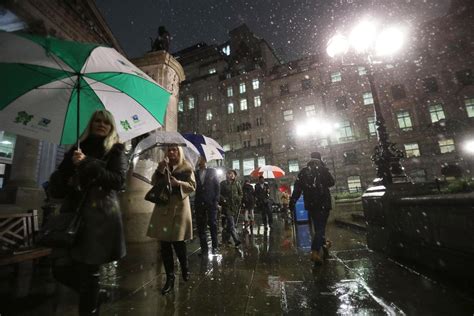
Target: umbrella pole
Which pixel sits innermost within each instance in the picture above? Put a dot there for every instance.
(78, 111)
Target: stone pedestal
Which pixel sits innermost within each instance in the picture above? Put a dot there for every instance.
(165, 70)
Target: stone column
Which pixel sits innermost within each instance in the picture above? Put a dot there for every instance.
(167, 71)
(23, 189)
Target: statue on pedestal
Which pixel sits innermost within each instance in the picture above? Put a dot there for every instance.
(162, 41)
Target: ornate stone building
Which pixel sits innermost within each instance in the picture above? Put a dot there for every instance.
(257, 107)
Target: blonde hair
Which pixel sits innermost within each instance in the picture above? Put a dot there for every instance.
(181, 159)
(112, 138)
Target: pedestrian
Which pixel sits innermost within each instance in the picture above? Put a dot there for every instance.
(285, 202)
(230, 200)
(171, 223)
(94, 174)
(248, 203)
(205, 204)
(264, 203)
(314, 182)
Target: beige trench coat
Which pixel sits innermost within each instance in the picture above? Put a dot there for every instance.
(173, 222)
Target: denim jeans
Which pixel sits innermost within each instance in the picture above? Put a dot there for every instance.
(319, 219)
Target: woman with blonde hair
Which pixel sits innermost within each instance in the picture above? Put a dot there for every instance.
(171, 223)
(91, 176)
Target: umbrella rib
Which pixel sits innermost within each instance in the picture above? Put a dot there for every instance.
(46, 75)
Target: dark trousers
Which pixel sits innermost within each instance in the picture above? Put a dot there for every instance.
(319, 219)
(266, 211)
(229, 229)
(167, 255)
(206, 215)
(84, 279)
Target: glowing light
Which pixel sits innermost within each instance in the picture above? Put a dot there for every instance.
(362, 37)
(337, 45)
(390, 41)
(469, 146)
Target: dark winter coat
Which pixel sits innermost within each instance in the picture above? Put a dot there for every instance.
(231, 197)
(207, 192)
(248, 199)
(100, 176)
(262, 195)
(314, 182)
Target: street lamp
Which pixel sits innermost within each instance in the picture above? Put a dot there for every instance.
(366, 40)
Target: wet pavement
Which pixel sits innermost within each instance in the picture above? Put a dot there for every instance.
(270, 274)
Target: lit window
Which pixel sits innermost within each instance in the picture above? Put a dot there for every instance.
(368, 98)
(362, 71)
(236, 164)
(261, 161)
(404, 121)
(230, 91)
(243, 104)
(7, 147)
(469, 107)
(336, 76)
(228, 75)
(446, 146)
(208, 114)
(255, 84)
(230, 108)
(412, 150)
(249, 166)
(310, 110)
(180, 106)
(354, 184)
(293, 165)
(191, 103)
(288, 115)
(436, 113)
(242, 87)
(345, 131)
(212, 70)
(372, 126)
(257, 101)
(208, 96)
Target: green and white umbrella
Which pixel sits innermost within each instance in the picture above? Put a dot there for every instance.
(48, 85)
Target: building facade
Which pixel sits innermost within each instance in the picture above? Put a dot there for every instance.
(263, 111)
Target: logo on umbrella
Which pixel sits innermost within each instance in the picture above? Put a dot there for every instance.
(135, 118)
(126, 125)
(23, 117)
(44, 122)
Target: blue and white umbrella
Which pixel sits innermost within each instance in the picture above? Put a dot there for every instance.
(208, 147)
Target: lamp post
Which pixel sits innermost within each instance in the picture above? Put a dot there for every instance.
(365, 40)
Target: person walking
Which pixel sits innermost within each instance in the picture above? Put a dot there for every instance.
(230, 201)
(205, 205)
(91, 176)
(248, 203)
(171, 223)
(285, 202)
(262, 198)
(314, 182)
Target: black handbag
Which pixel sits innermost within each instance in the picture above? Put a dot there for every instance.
(160, 193)
(61, 230)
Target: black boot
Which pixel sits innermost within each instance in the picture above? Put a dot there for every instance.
(180, 249)
(169, 285)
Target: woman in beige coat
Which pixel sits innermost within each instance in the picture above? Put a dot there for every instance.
(171, 224)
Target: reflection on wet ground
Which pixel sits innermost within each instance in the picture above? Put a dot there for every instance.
(270, 273)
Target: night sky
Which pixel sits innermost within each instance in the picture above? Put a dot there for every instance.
(294, 28)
